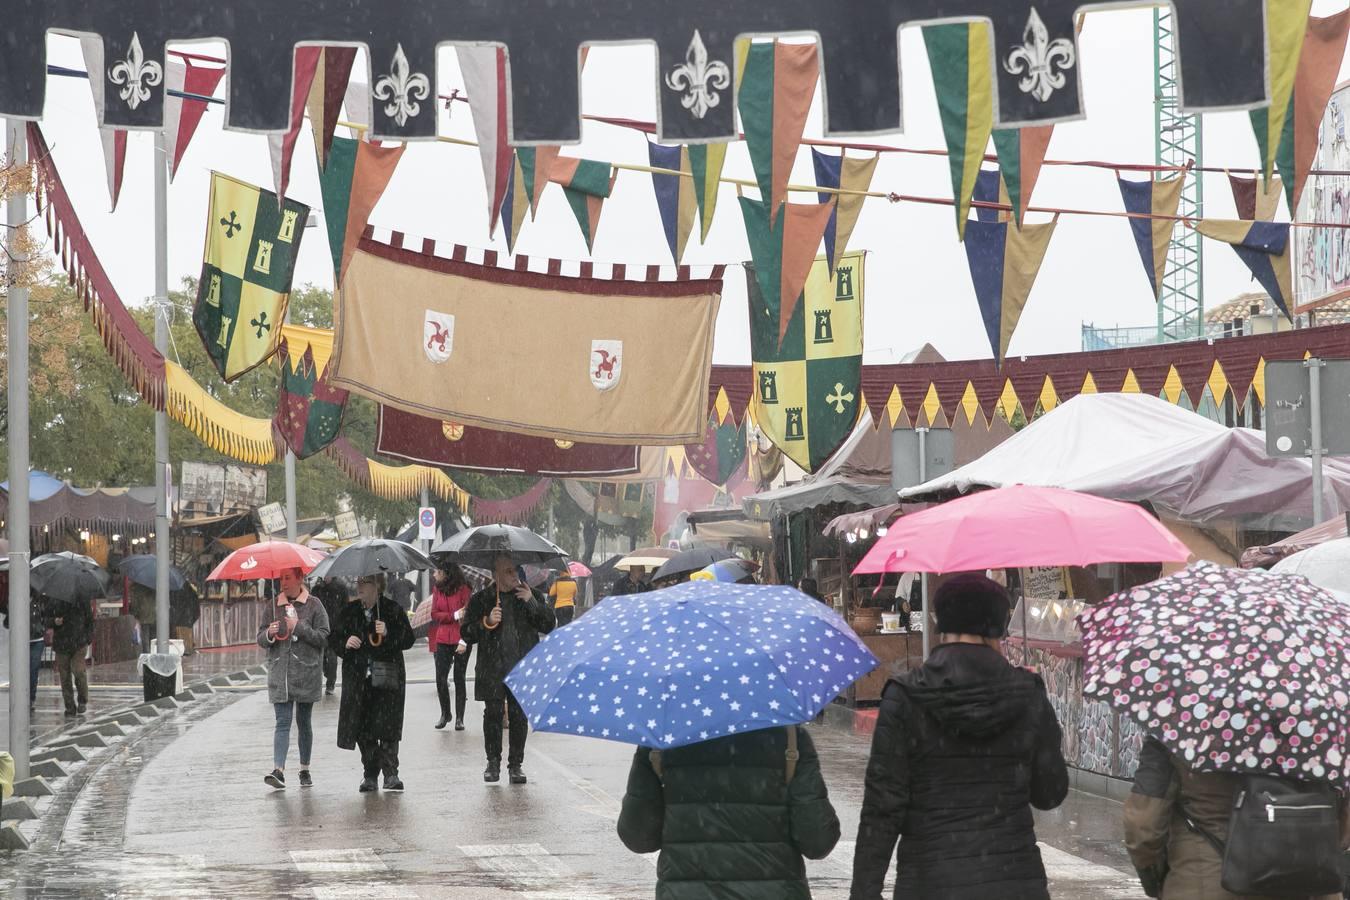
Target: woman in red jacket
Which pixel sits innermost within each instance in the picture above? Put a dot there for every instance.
(449, 596)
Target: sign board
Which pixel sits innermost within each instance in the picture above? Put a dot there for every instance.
(220, 488)
(273, 518)
(347, 527)
(426, 524)
(1321, 256)
(1288, 418)
(1045, 582)
(939, 449)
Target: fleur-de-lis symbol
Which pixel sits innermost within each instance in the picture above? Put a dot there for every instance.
(231, 225)
(839, 398)
(401, 89)
(699, 79)
(136, 74)
(1040, 61)
(261, 324)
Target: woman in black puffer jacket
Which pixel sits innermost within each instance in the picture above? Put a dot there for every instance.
(727, 820)
(964, 748)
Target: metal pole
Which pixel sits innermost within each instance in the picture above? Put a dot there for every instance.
(163, 478)
(923, 576)
(1315, 408)
(290, 496)
(426, 548)
(17, 310)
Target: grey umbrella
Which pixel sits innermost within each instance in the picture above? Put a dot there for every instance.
(67, 577)
(690, 561)
(371, 557)
(140, 568)
(479, 546)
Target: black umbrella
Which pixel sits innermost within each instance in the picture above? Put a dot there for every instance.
(68, 577)
(479, 546)
(141, 569)
(371, 557)
(690, 561)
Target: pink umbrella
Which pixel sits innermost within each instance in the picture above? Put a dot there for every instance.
(1018, 527)
(578, 570)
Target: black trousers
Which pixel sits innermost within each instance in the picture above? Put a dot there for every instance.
(378, 756)
(446, 660)
(564, 614)
(330, 666)
(492, 729)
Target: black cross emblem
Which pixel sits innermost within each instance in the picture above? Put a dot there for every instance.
(231, 225)
(261, 324)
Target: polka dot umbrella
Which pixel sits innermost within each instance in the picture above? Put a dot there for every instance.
(690, 663)
(1234, 670)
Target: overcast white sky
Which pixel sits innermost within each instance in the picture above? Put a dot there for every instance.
(918, 285)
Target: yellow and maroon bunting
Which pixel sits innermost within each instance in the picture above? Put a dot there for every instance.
(846, 174)
(675, 195)
(1286, 26)
(251, 243)
(1318, 67)
(1152, 237)
(1021, 152)
(484, 72)
(1263, 248)
(326, 95)
(1256, 201)
(1004, 262)
(777, 82)
(959, 55)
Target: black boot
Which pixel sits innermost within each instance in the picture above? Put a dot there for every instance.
(493, 773)
(517, 774)
(459, 724)
(444, 720)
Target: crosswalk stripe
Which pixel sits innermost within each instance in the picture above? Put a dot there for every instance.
(356, 859)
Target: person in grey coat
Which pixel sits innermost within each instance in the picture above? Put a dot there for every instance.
(294, 637)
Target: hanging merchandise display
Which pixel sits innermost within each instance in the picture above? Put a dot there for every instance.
(251, 245)
(808, 380)
(1004, 262)
(309, 408)
(569, 357)
(433, 442)
(1153, 236)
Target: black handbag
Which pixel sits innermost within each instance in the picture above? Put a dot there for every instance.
(384, 675)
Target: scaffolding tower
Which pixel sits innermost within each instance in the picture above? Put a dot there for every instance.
(1179, 139)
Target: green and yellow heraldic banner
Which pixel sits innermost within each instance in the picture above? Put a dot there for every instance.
(251, 245)
(808, 389)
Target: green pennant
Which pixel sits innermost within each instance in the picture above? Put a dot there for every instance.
(755, 103)
(335, 186)
(706, 161)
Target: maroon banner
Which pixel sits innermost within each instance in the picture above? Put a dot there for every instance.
(431, 442)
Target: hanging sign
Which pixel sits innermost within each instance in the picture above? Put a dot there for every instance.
(347, 527)
(273, 518)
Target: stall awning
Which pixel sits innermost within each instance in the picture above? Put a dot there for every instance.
(867, 520)
(1264, 557)
(730, 526)
(805, 495)
(53, 503)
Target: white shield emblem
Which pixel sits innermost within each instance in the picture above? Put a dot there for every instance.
(438, 336)
(606, 364)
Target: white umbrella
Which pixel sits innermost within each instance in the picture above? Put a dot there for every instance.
(1326, 565)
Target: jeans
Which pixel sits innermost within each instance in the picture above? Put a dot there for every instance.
(281, 739)
(492, 729)
(378, 756)
(35, 648)
(74, 679)
(446, 660)
(564, 614)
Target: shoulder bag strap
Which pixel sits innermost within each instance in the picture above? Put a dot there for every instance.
(1205, 833)
(655, 758)
(792, 755)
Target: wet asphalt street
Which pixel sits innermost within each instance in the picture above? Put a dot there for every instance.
(180, 810)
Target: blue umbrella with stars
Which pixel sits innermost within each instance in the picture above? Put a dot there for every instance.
(691, 663)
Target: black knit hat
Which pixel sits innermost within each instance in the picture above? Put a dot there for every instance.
(972, 604)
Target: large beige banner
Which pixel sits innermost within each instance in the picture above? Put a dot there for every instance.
(574, 359)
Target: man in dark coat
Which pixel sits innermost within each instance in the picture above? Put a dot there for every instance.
(332, 593)
(505, 620)
(72, 623)
(964, 747)
(632, 583)
(373, 630)
(727, 819)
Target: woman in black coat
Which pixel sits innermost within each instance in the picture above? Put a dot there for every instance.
(374, 630)
(964, 748)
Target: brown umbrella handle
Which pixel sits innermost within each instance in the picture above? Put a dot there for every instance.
(375, 638)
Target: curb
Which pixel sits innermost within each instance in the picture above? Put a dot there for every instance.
(60, 756)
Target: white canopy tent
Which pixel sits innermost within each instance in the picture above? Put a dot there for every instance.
(1140, 448)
